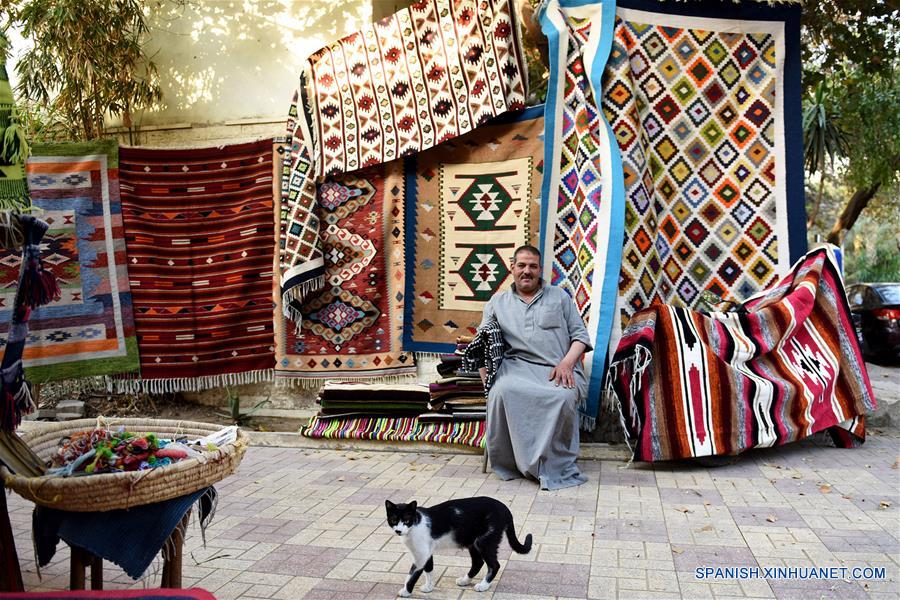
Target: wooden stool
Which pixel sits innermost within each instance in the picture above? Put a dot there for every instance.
(171, 572)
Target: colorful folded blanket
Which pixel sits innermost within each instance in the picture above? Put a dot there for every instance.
(333, 391)
(782, 367)
(402, 429)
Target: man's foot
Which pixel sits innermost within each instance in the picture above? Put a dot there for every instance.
(463, 581)
(403, 593)
(482, 586)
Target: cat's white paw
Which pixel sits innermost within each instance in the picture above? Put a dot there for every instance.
(482, 586)
(463, 581)
(428, 587)
(403, 593)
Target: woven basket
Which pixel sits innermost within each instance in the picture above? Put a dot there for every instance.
(112, 491)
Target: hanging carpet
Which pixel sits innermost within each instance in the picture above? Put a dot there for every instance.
(90, 329)
(673, 150)
(353, 328)
(198, 225)
(785, 365)
(424, 75)
(470, 203)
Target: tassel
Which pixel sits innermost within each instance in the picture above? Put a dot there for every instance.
(11, 418)
(25, 404)
(39, 287)
(49, 286)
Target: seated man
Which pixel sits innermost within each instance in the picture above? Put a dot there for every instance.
(532, 418)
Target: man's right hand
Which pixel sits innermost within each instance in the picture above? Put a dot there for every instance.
(483, 372)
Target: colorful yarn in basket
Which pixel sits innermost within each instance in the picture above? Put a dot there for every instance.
(102, 450)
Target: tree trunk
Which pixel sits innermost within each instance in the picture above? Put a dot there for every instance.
(850, 214)
(814, 214)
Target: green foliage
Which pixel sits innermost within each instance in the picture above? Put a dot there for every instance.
(87, 61)
(822, 133)
(234, 408)
(873, 254)
(856, 32)
(42, 124)
(851, 52)
(870, 108)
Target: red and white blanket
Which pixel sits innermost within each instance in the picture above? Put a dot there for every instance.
(783, 366)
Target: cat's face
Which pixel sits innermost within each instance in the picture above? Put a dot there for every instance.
(400, 517)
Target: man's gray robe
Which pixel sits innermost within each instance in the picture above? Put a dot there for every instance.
(532, 424)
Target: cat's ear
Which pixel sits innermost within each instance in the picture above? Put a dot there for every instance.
(389, 505)
(412, 505)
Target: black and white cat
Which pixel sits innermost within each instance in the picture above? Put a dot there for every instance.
(477, 524)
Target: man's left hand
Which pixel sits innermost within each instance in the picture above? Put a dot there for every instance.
(563, 374)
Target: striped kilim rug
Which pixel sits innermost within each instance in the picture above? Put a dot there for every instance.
(675, 155)
(397, 429)
(785, 365)
(198, 225)
(470, 202)
(426, 74)
(89, 330)
(353, 327)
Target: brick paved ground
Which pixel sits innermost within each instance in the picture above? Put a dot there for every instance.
(300, 523)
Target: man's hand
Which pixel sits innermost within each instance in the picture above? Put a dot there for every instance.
(564, 374)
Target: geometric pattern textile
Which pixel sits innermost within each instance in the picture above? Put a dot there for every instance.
(470, 203)
(401, 85)
(353, 327)
(198, 225)
(699, 108)
(677, 130)
(90, 329)
(782, 367)
(582, 202)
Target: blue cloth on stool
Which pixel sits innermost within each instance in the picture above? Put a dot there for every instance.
(129, 538)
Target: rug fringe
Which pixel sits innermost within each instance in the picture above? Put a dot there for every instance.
(316, 383)
(639, 361)
(429, 355)
(298, 293)
(186, 384)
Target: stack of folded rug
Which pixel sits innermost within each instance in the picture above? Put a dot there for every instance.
(349, 399)
(459, 394)
(387, 412)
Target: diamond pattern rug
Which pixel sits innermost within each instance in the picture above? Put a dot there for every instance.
(676, 155)
(352, 329)
(470, 203)
(699, 109)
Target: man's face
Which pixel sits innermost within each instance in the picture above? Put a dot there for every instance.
(526, 272)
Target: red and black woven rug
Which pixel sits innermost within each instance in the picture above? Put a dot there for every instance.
(199, 229)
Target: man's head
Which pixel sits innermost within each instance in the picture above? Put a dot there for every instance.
(526, 269)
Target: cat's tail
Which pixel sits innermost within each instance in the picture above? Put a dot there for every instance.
(514, 542)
